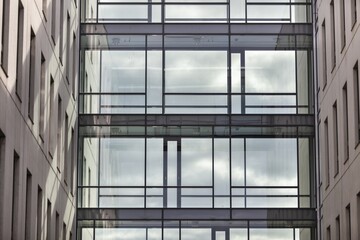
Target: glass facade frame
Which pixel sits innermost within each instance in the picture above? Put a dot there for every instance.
(196, 120)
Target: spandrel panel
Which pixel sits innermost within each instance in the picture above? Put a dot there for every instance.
(196, 71)
(271, 162)
(270, 72)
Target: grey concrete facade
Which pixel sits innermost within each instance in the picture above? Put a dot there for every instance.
(338, 48)
(38, 113)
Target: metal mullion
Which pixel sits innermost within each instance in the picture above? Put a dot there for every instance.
(98, 180)
(178, 160)
(242, 82)
(97, 11)
(245, 184)
(213, 167)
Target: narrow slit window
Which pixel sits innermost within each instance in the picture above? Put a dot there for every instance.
(324, 55)
(66, 148)
(67, 64)
(336, 144)
(5, 36)
(357, 101)
(51, 107)
(39, 214)
(31, 98)
(53, 20)
(326, 154)
(342, 24)
(48, 221)
(348, 222)
(28, 204)
(19, 53)
(338, 233)
(345, 121)
(42, 96)
(57, 222)
(61, 35)
(333, 41)
(59, 135)
(15, 196)
(353, 12)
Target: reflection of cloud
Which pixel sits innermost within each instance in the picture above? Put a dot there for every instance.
(270, 71)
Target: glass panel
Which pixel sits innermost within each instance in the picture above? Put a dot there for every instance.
(195, 234)
(235, 72)
(271, 234)
(154, 78)
(154, 162)
(120, 233)
(114, 13)
(302, 80)
(197, 13)
(268, 12)
(123, 71)
(221, 167)
(196, 100)
(122, 162)
(237, 10)
(271, 162)
(270, 71)
(196, 71)
(237, 162)
(196, 162)
(238, 234)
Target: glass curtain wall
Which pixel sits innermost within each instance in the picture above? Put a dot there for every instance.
(196, 120)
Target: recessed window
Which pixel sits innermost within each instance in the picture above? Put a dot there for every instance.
(338, 233)
(44, 8)
(59, 134)
(357, 102)
(28, 204)
(348, 222)
(67, 64)
(345, 122)
(326, 152)
(53, 20)
(31, 97)
(324, 55)
(5, 35)
(333, 38)
(342, 24)
(42, 96)
(57, 226)
(353, 12)
(48, 221)
(335, 137)
(39, 213)
(51, 109)
(19, 49)
(15, 196)
(61, 32)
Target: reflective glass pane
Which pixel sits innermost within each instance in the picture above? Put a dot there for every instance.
(196, 162)
(122, 162)
(270, 71)
(123, 71)
(271, 162)
(198, 13)
(196, 71)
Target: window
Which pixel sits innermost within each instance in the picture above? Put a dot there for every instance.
(19, 49)
(64, 231)
(333, 42)
(338, 233)
(72, 160)
(31, 98)
(66, 149)
(324, 56)
(28, 218)
(345, 121)
(2, 168)
(358, 212)
(74, 66)
(328, 233)
(51, 107)
(357, 103)
(348, 222)
(342, 24)
(53, 20)
(336, 144)
(39, 214)
(326, 154)
(15, 196)
(59, 134)
(61, 40)
(48, 221)
(44, 8)
(57, 222)
(353, 12)
(5, 35)
(68, 65)
(42, 96)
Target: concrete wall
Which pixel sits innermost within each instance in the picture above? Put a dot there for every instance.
(22, 135)
(343, 188)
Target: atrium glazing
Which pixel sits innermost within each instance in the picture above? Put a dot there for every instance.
(196, 120)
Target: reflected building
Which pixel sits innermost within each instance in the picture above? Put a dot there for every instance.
(196, 120)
